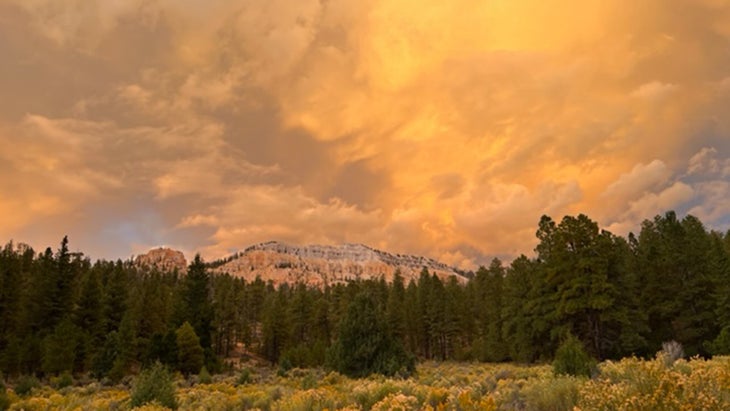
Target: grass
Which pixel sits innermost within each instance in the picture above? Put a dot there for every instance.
(629, 384)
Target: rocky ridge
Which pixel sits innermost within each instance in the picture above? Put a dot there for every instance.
(163, 259)
(318, 265)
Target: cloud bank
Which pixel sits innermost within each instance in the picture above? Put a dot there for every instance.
(443, 129)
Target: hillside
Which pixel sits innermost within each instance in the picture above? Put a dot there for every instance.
(317, 265)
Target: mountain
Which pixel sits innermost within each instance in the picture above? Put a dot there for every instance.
(163, 259)
(318, 265)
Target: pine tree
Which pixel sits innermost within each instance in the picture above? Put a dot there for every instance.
(198, 310)
(88, 319)
(364, 345)
(59, 348)
(395, 308)
(189, 351)
(517, 329)
(275, 325)
(491, 281)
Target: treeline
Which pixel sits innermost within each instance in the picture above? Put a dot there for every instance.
(619, 296)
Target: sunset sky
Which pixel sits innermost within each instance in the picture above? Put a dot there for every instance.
(439, 128)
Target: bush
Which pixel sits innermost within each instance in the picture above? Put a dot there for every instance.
(154, 384)
(571, 358)
(561, 393)
(62, 381)
(721, 344)
(25, 385)
(204, 376)
(245, 377)
(284, 366)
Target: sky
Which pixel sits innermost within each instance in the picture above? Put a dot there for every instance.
(438, 128)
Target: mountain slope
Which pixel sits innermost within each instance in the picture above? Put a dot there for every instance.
(318, 265)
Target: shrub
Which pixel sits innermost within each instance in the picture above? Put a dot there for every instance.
(572, 359)
(284, 366)
(561, 393)
(62, 381)
(204, 376)
(25, 385)
(671, 351)
(721, 344)
(245, 377)
(154, 384)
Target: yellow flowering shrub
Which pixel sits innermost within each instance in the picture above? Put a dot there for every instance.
(634, 384)
(629, 384)
(396, 402)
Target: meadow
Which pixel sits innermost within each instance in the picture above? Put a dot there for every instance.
(629, 384)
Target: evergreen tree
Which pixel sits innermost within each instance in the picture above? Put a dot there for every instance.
(88, 319)
(517, 330)
(275, 325)
(489, 291)
(59, 348)
(189, 351)
(198, 310)
(115, 294)
(395, 308)
(364, 345)
(580, 265)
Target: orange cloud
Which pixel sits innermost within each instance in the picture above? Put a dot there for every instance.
(440, 128)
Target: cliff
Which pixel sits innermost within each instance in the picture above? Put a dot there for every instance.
(317, 265)
(163, 259)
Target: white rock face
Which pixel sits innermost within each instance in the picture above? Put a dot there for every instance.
(318, 265)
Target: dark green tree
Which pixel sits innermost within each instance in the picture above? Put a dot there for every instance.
(365, 346)
(88, 319)
(197, 306)
(189, 351)
(59, 348)
(275, 325)
(489, 283)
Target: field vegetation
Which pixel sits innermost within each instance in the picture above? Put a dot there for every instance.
(628, 384)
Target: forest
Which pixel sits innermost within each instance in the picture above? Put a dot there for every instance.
(62, 313)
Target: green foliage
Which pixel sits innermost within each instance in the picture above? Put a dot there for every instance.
(284, 366)
(558, 394)
(196, 303)
(721, 344)
(59, 348)
(204, 376)
(154, 384)
(62, 381)
(26, 384)
(618, 296)
(244, 376)
(190, 353)
(364, 345)
(571, 358)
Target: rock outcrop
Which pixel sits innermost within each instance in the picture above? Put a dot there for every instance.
(163, 259)
(318, 265)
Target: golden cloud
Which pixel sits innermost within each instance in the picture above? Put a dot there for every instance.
(441, 128)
